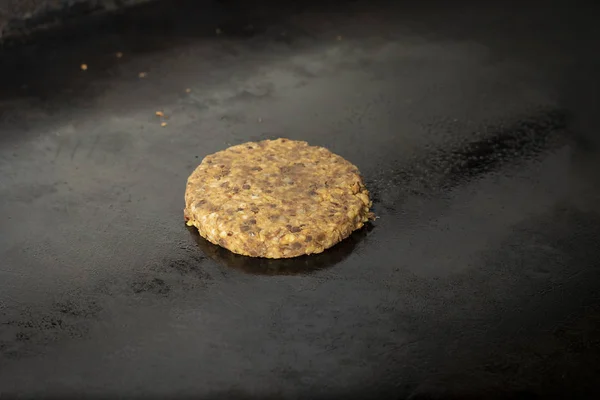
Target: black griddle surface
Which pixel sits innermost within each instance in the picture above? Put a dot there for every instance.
(471, 123)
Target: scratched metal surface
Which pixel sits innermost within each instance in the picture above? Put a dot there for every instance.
(19, 18)
(472, 126)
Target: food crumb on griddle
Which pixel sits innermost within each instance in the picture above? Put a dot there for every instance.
(119, 54)
(160, 114)
(84, 67)
(142, 74)
(163, 124)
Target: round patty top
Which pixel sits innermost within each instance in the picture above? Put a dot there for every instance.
(276, 199)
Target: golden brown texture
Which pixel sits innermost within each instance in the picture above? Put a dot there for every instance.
(276, 199)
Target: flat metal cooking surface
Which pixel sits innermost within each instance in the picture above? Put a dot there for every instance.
(479, 278)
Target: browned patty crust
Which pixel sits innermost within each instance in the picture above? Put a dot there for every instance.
(276, 199)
